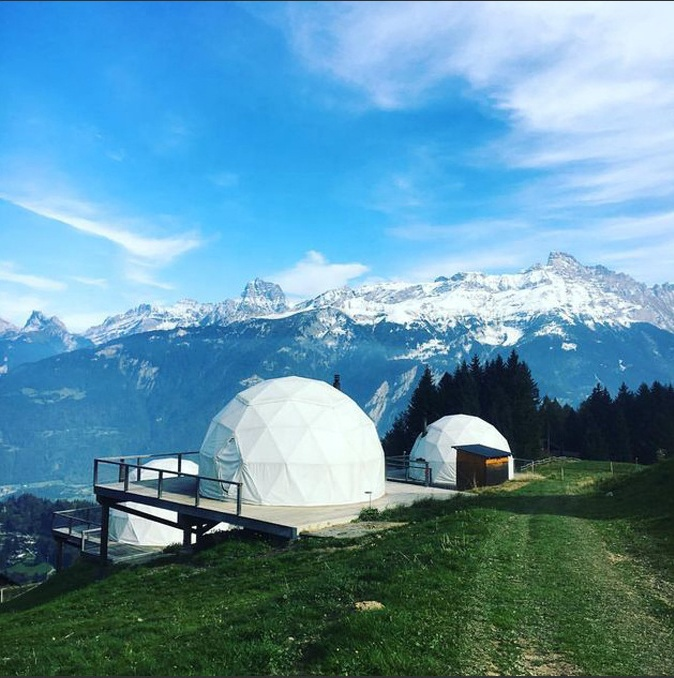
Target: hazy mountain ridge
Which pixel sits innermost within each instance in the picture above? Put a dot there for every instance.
(40, 337)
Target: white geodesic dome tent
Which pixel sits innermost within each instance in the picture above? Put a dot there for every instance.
(132, 529)
(437, 446)
(293, 441)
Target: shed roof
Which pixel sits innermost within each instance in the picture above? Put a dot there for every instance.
(483, 451)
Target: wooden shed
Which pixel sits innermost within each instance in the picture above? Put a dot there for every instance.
(479, 466)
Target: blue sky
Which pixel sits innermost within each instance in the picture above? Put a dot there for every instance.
(151, 152)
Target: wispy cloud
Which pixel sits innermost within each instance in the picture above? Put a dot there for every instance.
(587, 88)
(315, 274)
(85, 217)
(140, 273)
(641, 246)
(486, 261)
(9, 274)
(91, 282)
(16, 308)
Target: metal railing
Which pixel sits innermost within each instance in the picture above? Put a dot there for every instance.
(8, 593)
(401, 465)
(87, 536)
(127, 469)
(75, 521)
(79, 525)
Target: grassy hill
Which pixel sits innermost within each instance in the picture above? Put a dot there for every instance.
(566, 572)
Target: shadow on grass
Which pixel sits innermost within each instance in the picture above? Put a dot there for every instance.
(78, 576)
(644, 499)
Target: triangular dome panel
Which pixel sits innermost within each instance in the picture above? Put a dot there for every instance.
(305, 443)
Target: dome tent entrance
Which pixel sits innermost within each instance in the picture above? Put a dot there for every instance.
(437, 446)
(293, 441)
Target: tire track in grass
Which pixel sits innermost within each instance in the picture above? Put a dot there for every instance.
(490, 601)
(583, 611)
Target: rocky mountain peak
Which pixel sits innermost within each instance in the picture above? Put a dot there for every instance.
(7, 327)
(564, 263)
(260, 296)
(38, 322)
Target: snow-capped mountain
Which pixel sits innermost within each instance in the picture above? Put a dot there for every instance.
(258, 299)
(7, 328)
(563, 290)
(39, 338)
(162, 373)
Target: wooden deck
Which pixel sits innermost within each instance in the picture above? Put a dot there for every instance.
(178, 494)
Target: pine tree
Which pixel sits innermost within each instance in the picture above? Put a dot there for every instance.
(524, 397)
(467, 390)
(424, 409)
(424, 404)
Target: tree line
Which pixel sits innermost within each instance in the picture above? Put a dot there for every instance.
(632, 427)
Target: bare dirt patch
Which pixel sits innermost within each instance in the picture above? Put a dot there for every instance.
(350, 530)
(367, 605)
(545, 663)
(520, 480)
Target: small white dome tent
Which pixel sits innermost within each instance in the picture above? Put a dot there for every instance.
(293, 441)
(439, 443)
(132, 529)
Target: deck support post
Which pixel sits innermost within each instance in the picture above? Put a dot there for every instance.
(105, 528)
(186, 526)
(59, 555)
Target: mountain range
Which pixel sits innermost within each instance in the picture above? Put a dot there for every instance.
(151, 379)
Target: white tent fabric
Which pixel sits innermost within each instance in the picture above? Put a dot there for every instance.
(438, 445)
(293, 441)
(132, 529)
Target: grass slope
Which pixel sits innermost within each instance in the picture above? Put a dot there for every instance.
(568, 572)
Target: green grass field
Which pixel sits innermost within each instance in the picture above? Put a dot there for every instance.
(569, 571)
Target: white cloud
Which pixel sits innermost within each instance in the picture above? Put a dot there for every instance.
(91, 282)
(586, 87)
(641, 246)
(140, 273)
(9, 274)
(315, 274)
(84, 217)
(492, 260)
